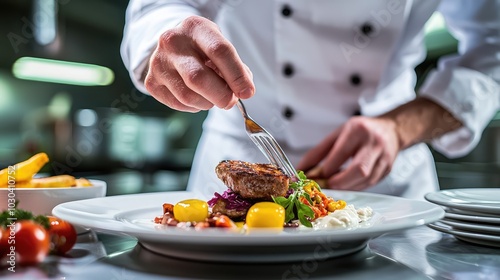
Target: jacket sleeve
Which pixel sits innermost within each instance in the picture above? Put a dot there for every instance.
(146, 20)
(467, 84)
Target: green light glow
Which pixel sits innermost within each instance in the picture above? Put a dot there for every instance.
(5, 94)
(64, 72)
(435, 23)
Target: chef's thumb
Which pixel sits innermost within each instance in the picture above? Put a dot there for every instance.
(247, 92)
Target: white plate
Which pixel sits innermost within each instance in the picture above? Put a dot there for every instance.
(474, 227)
(41, 201)
(133, 214)
(486, 200)
(477, 219)
(477, 238)
(470, 213)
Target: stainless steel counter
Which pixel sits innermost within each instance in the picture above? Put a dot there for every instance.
(418, 253)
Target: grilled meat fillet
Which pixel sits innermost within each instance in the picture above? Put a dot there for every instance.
(220, 207)
(257, 181)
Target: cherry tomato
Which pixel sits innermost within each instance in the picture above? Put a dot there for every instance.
(4, 246)
(31, 242)
(62, 235)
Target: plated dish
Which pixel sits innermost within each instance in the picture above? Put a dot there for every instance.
(260, 195)
(132, 215)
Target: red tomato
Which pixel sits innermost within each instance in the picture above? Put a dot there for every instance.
(158, 219)
(4, 246)
(224, 222)
(62, 235)
(31, 242)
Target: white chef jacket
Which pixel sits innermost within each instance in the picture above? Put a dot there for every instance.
(318, 63)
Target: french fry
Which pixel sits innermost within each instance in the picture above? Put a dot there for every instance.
(25, 170)
(23, 185)
(54, 182)
(21, 175)
(82, 182)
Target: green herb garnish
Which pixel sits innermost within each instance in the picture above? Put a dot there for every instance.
(7, 217)
(292, 203)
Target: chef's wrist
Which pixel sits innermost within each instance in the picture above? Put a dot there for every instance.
(420, 120)
(394, 126)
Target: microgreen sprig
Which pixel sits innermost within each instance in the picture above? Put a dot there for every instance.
(7, 217)
(293, 204)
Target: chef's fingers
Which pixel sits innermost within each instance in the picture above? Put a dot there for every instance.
(204, 81)
(176, 56)
(345, 147)
(379, 171)
(184, 93)
(222, 53)
(234, 99)
(359, 171)
(249, 71)
(314, 156)
(164, 95)
(314, 173)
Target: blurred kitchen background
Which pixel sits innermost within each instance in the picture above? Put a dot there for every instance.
(92, 122)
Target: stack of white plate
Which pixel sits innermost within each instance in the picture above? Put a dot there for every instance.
(472, 215)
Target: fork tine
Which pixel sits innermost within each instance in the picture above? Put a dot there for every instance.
(267, 149)
(267, 144)
(271, 156)
(278, 155)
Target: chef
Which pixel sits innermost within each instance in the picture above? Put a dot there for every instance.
(332, 81)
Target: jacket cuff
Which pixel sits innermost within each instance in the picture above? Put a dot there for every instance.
(471, 97)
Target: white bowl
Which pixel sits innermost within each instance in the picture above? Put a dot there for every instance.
(41, 201)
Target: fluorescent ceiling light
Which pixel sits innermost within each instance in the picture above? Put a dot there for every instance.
(45, 19)
(64, 72)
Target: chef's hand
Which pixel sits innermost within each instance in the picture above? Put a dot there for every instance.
(372, 145)
(194, 68)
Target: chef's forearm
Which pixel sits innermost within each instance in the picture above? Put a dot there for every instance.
(421, 120)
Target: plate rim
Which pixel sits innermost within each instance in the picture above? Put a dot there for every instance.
(431, 214)
(463, 233)
(473, 227)
(100, 183)
(470, 212)
(439, 197)
(479, 241)
(470, 218)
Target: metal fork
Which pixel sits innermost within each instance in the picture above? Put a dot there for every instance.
(267, 144)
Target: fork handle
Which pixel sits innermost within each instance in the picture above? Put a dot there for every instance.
(242, 108)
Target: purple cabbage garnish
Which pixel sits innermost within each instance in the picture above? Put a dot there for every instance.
(289, 192)
(233, 201)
